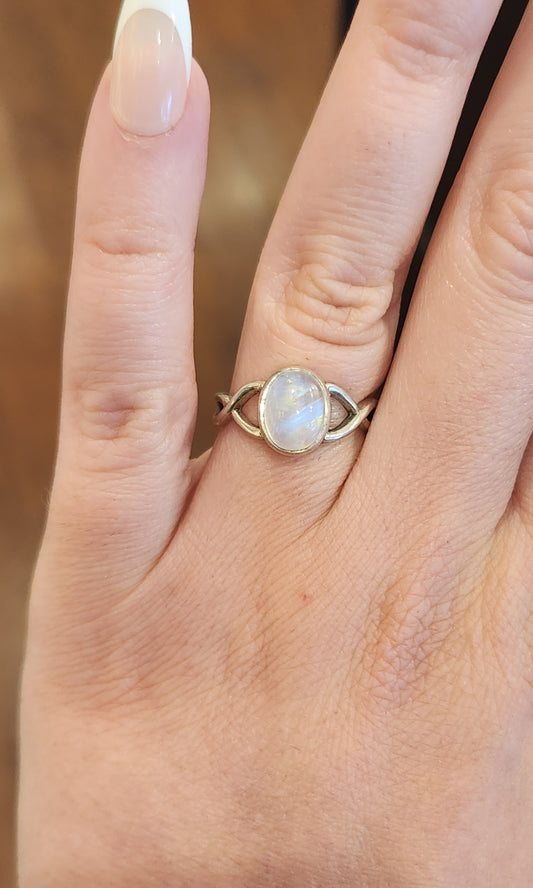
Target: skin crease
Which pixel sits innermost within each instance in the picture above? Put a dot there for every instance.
(253, 670)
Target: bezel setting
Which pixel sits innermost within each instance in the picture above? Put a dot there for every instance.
(267, 393)
(232, 407)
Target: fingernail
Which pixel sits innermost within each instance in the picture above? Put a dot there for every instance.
(151, 68)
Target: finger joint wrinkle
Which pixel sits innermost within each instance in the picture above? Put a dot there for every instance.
(329, 309)
(422, 47)
(502, 231)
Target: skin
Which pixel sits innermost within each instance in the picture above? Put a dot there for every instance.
(254, 670)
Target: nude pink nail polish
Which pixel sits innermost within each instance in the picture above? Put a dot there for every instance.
(150, 75)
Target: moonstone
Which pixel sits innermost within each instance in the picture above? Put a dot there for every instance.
(294, 411)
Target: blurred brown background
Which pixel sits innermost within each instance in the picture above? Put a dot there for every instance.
(266, 61)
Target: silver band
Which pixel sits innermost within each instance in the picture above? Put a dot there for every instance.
(294, 411)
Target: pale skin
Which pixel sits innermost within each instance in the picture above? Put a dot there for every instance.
(251, 669)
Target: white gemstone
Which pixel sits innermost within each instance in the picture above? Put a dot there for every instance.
(294, 411)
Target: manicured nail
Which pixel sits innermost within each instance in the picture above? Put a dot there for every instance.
(151, 67)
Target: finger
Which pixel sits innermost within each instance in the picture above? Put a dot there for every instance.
(129, 396)
(457, 412)
(327, 290)
(523, 493)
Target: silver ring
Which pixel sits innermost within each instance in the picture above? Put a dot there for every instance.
(294, 412)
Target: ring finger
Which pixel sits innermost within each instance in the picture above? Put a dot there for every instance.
(327, 289)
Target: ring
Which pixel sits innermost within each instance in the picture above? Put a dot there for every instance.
(294, 413)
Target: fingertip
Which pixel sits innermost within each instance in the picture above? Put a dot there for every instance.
(198, 83)
(192, 124)
(124, 177)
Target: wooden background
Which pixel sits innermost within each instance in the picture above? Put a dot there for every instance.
(266, 61)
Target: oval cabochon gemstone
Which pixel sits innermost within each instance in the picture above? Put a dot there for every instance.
(294, 411)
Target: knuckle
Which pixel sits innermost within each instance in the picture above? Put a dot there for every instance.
(132, 242)
(110, 412)
(502, 228)
(411, 625)
(419, 43)
(324, 307)
(135, 418)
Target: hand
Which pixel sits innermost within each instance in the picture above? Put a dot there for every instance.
(256, 669)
